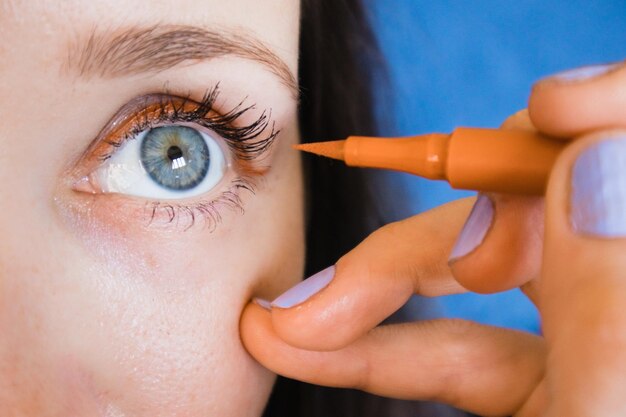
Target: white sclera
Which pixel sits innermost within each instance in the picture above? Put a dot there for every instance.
(124, 173)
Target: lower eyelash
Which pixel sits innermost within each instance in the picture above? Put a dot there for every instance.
(185, 216)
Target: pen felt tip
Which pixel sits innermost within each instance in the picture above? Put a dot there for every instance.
(334, 149)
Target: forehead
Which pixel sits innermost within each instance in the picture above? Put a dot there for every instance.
(274, 22)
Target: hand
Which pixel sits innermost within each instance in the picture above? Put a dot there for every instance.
(324, 331)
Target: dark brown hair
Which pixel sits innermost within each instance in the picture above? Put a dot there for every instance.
(339, 64)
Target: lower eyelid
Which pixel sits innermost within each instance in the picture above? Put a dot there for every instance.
(204, 213)
(207, 214)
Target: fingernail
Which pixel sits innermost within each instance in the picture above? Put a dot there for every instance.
(304, 290)
(262, 303)
(598, 196)
(584, 73)
(475, 229)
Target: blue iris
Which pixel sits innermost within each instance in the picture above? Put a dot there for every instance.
(175, 157)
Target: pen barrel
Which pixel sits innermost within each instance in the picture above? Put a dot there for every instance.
(421, 155)
(506, 161)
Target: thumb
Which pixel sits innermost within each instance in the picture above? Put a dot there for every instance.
(583, 290)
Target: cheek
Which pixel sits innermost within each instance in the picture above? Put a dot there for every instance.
(126, 323)
(175, 324)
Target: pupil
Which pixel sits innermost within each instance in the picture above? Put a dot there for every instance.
(174, 152)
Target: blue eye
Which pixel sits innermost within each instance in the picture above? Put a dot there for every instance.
(164, 162)
(175, 157)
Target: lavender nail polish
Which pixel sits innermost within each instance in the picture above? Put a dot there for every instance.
(475, 228)
(304, 290)
(598, 196)
(263, 303)
(584, 73)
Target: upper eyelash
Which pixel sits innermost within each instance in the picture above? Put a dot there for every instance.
(242, 140)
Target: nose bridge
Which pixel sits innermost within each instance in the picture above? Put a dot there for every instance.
(18, 197)
(27, 225)
(30, 161)
(24, 268)
(31, 259)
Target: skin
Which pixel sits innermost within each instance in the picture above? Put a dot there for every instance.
(575, 280)
(103, 313)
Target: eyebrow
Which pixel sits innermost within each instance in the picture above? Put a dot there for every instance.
(157, 48)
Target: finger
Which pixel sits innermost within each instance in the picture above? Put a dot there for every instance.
(486, 370)
(579, 101)
(372, 281)
(501, 243)
(537, 402)
(583, 289)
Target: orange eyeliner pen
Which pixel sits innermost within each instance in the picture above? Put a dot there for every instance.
(492, 160)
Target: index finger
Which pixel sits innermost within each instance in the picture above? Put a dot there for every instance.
(335, 307)
(580, 101)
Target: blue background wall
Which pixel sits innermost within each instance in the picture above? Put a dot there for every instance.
(472, 63)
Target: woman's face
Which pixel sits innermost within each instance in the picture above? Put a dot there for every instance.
(141, 205)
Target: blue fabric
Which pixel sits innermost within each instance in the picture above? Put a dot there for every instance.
(472, 63)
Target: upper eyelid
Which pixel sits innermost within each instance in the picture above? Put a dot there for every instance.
(162, 108)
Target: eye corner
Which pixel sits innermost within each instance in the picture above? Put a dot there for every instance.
(83, 185)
